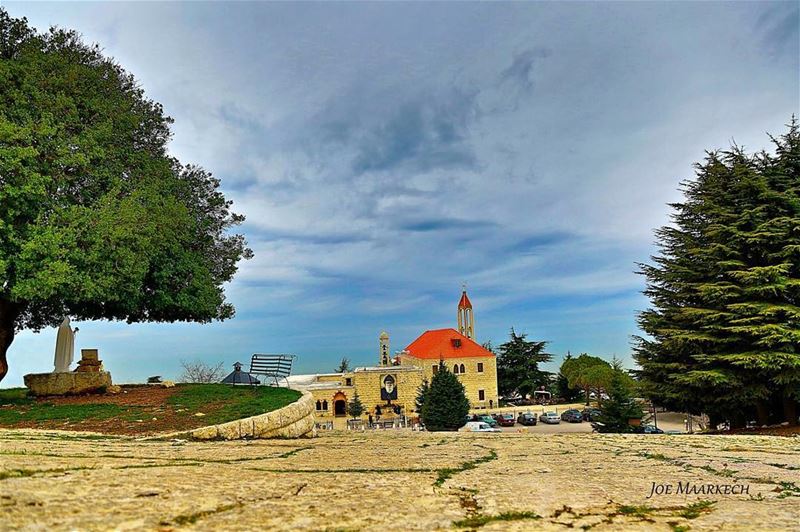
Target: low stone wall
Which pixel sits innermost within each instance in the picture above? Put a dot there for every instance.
(73, 383)
(292, 421)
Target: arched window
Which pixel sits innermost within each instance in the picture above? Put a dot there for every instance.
(325, 405)
(463, 370)
(319, 405)
(455, 369)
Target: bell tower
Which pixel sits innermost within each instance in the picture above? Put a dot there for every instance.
(383, 356)
(466, 319)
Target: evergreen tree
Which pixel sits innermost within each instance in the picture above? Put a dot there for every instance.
(518, 366)
(619, 408)
(422, 392)
(344, 366)
(724, 327)
(446, 405)
(355, 407)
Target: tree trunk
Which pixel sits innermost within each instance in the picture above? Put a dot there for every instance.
(762, 412)
(790, 409)
(8, 316)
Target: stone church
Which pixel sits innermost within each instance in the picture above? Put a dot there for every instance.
(389, 389)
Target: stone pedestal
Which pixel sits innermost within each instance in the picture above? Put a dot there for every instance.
(90, 361)
(41, 384)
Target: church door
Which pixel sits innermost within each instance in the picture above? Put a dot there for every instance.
(340, 408)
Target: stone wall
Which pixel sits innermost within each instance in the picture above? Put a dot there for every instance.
(368, 384)
(73, 383)
(292, 421)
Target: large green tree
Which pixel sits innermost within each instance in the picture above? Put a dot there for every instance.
(561, 387)
(518, 365)
(589, 373)
(723, 331)
(620, 407)
(97, 221)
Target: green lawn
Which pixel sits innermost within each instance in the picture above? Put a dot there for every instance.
(217, 402)
(235, 402)
(24, 408)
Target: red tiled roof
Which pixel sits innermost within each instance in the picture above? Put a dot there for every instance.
(464, 302)
(439, 344)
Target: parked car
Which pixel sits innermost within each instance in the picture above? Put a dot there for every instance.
(506, 420)
(572, 415)
(591, 414)
(527, 418)
(551, 418)
(650, 429)
(489, 420)
(480, 426)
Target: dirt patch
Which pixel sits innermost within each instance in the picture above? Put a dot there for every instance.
(147, 412)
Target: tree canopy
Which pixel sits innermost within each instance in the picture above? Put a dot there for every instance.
(518, 362)
(588, 373)
(445, 404)
(98, 221)
(723, 330)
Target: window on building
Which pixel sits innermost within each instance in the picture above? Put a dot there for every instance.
(324, 405)
(455, 369)
(463, 369)
(435, 370)
(319, 405)
(481, 395)
(480, 367)
(348, 382)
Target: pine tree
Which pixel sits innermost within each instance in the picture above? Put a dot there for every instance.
(446, 405)
(724, 327)
(619, 408)
(355, 408)
(518, 365)
(422, 392)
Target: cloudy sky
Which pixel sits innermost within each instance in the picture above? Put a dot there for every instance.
(385, 153)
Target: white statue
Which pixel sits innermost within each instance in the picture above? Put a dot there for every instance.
(65, 347)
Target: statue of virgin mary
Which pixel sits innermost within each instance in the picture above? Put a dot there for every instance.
(65, 347)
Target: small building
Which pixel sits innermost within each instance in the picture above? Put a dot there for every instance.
(390, 388)
(237, 376)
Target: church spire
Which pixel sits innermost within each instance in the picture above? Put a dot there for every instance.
(466, 319)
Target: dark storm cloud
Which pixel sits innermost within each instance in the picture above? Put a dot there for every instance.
(420, 135)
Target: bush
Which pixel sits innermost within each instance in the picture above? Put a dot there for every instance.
(445, 404)
(619, 408)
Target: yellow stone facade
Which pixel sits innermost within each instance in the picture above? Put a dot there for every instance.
(327, 390)
(473, 378)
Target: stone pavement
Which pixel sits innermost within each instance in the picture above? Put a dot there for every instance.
(400, 480)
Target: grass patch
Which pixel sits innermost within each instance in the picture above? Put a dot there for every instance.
(478, 521)
(15, 396)
(234, 402)
(695, 509)
(636, 510)
(788, 489)
(39, 412)
(448, 472)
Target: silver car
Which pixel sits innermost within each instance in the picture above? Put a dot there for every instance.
(550, 418)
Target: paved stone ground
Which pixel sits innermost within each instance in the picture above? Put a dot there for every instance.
(397, 480)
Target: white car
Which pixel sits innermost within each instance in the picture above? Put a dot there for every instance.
(480, 426)
(551, 418)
